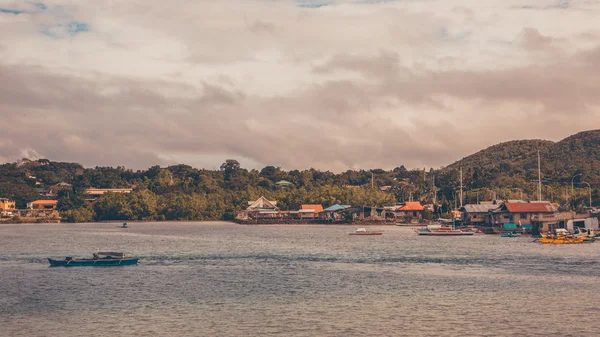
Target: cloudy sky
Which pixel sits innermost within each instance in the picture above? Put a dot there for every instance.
(298, 84)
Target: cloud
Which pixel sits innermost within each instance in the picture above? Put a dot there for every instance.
(353, 83)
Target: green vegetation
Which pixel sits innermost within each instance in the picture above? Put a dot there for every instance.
(180, 192)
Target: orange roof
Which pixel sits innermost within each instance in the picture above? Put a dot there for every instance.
(317, 208)
(44, 202)
(412, 206)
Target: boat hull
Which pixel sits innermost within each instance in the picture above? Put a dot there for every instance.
(446, 233)
(371, 233)
(560, 241)
(93, 263)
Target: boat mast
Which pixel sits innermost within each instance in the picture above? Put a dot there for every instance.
(539, 178)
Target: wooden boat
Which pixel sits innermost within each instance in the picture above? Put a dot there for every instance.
(364, 231)
(100, 259)
(443, 230)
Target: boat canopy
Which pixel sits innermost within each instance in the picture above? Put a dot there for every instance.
(114, 254)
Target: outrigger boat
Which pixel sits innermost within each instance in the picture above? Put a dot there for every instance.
(100, 259)
(561, 237)
(364, 231)
(443, 230)
(510, 235)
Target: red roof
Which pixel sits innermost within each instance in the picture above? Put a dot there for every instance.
(317, 208)
(412, 206)
(529, 207)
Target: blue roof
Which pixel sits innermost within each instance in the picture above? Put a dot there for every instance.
(336, 207)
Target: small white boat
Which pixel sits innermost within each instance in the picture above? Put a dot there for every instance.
(364, 231)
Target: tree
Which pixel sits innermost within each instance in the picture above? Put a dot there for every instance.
(231, 169)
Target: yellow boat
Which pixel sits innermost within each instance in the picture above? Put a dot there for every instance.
(560, 240)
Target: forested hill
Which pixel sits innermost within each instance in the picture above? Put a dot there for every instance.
(515, 162)
(181, 192)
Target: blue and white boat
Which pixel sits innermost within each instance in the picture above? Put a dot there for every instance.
(100, 259)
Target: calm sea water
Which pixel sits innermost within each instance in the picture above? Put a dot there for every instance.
(220, 279)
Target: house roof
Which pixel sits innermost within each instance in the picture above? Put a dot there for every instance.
(479, 208)
(44, 202)
(315, 207)
(412, 206)
(336, 207)
(529, 207)
(261, 203)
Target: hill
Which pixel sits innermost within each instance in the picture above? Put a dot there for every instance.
(515, 162)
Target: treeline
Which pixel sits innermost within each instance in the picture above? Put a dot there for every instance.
(181, 192)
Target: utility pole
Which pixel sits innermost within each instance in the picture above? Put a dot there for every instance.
(539, 178)
(590, 188)
(372, 179)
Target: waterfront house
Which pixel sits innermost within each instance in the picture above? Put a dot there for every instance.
(310, 211)
(261, 208)
(42, 204)
(41, 209)
(478, 214)
(7, 207)
(7, 204)
(411, 210)
(335, 213)
(519, 215)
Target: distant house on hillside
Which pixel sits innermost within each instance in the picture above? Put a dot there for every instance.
(284, 183)
(94, 193)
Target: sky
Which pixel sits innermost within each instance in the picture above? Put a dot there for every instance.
(327, 84)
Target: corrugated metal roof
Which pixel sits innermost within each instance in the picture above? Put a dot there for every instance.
(479, 208)
(336, 207)
(529, 207)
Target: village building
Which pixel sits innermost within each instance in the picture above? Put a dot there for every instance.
(410, 210)
(519, 215)
(310, 211)
(284, 183)
(7, 207)
(336, 213)
(41, 209)
(92, 194)
(7, 204)
(478, 214)
(261, 208)
(42, 204)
